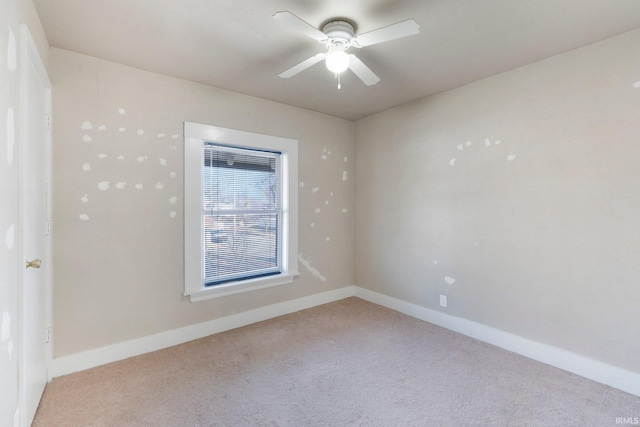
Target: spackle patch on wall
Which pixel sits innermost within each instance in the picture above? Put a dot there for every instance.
(122, 111)
(139, 186)
(344, 175)
(102, 156)
(172, 174)
(345, 210)
(173, 200)
(121, 129)
(87, 138)
(84, 217)
(163, 162)
(511, 157)
(449, 280)
(301, 184)
(172, 214)
(636, 84)
(310, 268)
(12, 53)
(161, 135)
(159, 186)
(318, 210)
(11, 135)
(86, 167)
(86, 125)
(102, 128)
(140, 132)
(452, 162)
(460, 147)
(5, 327)
(84, 199)
(104, 185)
(10, 236)
(120, 185)
(315, 189)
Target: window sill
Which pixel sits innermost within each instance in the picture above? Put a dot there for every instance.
(233, 288)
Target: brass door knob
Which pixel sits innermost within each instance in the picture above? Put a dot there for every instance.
(34, 264)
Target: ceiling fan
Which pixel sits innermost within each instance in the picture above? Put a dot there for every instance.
(338, 35)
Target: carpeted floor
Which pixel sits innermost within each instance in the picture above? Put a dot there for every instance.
(348, 363)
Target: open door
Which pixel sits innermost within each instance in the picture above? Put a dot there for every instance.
(34, 229)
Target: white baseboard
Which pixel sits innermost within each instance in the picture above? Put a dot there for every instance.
(589, 368)
(112, 353)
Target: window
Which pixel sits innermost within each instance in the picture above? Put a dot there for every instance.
(240, 211)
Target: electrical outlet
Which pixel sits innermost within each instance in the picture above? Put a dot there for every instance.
(443, 300)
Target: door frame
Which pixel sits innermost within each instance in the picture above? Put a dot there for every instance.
(29, 53)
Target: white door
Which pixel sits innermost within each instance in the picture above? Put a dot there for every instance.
(35, 158)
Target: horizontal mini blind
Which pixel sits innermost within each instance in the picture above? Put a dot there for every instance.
(242, 214)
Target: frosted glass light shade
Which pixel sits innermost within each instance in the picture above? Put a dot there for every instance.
(337, 61)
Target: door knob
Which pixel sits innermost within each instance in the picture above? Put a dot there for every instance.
(34, 264)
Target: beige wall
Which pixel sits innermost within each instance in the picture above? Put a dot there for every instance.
(523, 188)
(118, 252)
(12, 14)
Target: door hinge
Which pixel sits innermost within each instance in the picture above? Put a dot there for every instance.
(47, 335)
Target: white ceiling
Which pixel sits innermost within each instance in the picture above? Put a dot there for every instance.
(236, 45)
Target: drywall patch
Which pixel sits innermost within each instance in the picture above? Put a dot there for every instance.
(468, 143)
(120, 185)
(102, 128)
(312, 269)
(173, 147)
(497, 142)
(487, 143)
(460, 147)
(315, 189)
(10, 348)
(344, 210)
(86, 167)
(172, 174)
(324, 157)
(326, 239)
(326, 202)
(301, 184)
(122, 129)
(87, 138)
(452, 162)
(636, 84)
(173, 200)
(11, 135)
(84, 217)
(312, 225)
(122, 111)
(103, 185)
(12, 53)
(449, 280)
(511, 157)
(10, 237)
(139, 186)
(161, 135)
(318, 210)
(5, 326)
(86, 125)
(344, 175)
(172, 214)
(345, 160)
(102, 156)
(141, 159)
(140, 132)
(84, 199)
(159, 186)
(174, 136)
(120, 157)
(163, 162)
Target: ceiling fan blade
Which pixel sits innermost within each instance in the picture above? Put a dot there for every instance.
(391, 32)
(303, 65)
(300, 25)
(362, 71)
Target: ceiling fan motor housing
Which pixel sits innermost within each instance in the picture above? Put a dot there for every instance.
(339, 30)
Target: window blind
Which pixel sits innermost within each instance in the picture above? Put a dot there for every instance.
(242, 213)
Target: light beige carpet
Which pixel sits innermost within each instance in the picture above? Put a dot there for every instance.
(348, 363)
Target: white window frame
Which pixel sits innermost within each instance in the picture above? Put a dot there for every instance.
(195, 135)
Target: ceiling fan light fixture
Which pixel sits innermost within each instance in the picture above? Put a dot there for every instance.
(337, 60)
